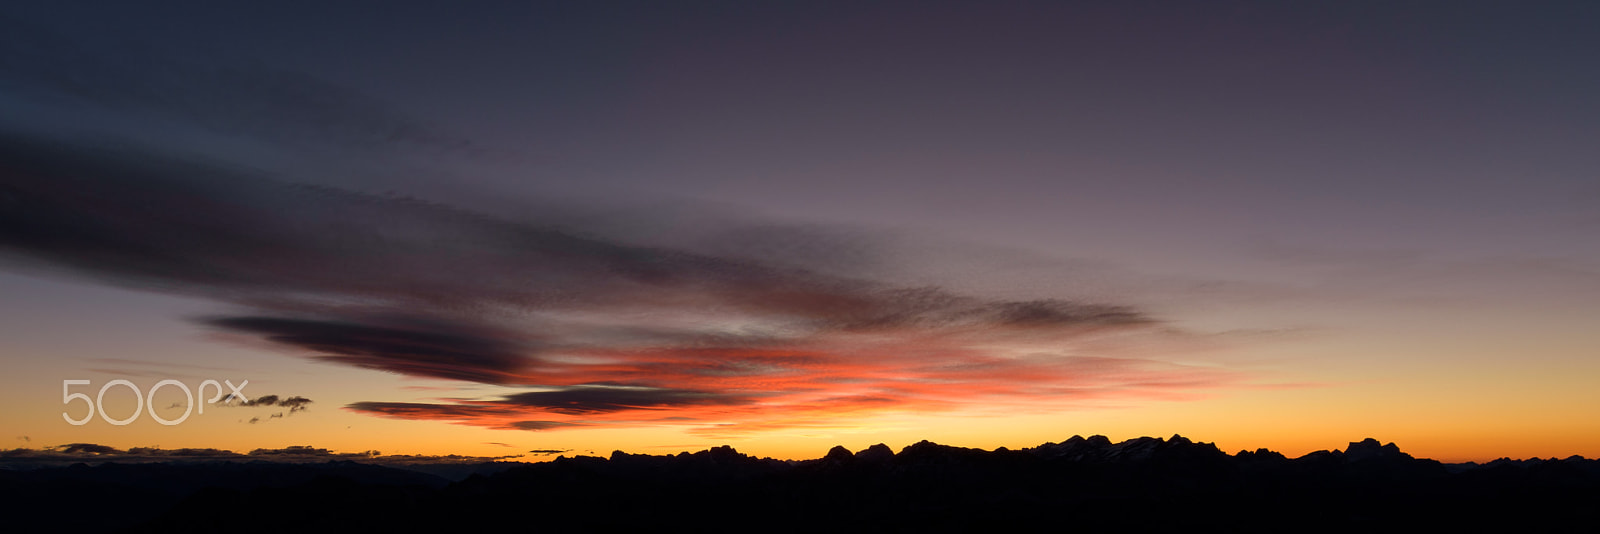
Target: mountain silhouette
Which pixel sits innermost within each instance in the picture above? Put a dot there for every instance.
(1079, 484)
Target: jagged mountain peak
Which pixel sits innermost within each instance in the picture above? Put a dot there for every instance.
(875, 453)
(1261, 454)
(1369, 448)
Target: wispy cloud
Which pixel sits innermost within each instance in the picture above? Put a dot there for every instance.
(741, 326)
(547, 452)
(294, 404)
(601, 330)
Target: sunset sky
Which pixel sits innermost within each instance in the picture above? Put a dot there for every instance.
(493, 228)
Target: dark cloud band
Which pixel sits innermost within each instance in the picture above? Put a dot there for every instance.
(610, 330)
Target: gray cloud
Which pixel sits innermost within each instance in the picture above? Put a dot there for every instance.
(302, 450)
(541, 425)
(294, 404)
(571, 401)
(604, 315)
(84, 448)
(422, 289)
(547, 452)
(434, 350)
(599, 399)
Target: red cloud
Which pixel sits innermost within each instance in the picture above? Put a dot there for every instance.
(727, 390)
(593, 330)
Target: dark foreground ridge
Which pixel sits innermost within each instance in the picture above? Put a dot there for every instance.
(1078, 485)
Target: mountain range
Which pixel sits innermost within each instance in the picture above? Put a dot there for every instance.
(1080, 485)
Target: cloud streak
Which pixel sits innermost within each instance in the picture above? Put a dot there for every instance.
(590, 326)
(295, 404)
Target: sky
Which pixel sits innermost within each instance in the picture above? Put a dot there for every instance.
(492, 228)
